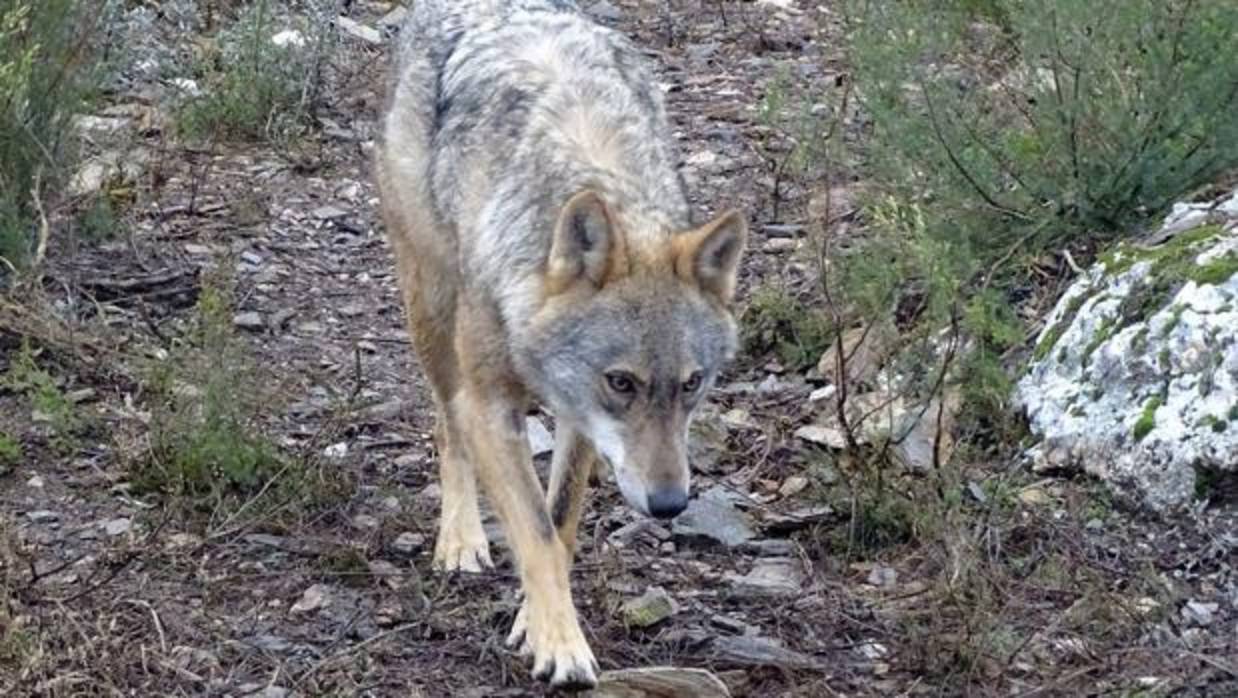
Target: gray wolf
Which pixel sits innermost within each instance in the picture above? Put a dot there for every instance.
(547, 255)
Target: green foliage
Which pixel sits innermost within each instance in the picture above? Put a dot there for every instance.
(777, 321)
(205, 441)
(47, 401)
(1147, 419)
(254, 89)
(49, 72)
(10, 451)
(1005, 130)
(1078, 118)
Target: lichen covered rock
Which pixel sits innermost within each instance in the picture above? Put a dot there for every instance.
(1134, 378)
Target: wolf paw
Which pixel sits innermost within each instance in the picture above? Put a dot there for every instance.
(561, 656)
(455, 552)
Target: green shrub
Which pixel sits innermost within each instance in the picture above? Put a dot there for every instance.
(1003, 131)
(49, 72)
(254, 89)
(47, 401)
(775, 321)
(1077, 117)
(208, 451)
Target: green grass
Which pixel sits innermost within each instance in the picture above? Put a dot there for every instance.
(777, 322)
(50, 70)
(209, 450)
(253, 89)
(47, 401)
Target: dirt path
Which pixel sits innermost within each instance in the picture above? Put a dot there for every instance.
(340, 600)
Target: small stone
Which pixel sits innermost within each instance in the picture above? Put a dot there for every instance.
(779, 230)
(882, 576)
(823, 393)
(289, 38)
(364, 522)
(328, 212)
(659, 682)
(822, 436)
(793, 486)
(353, 28)
(387, 572)
(540, 439)
(35, 482)
(198, 250)
(650, 608)
(117, 527)
(249, 320)
(42, 516)
(1199, 613)
(338, 450)
(780, 245)
(714, 517)
(770, 577)
(1034, 496)
(394, 18)
(628, 534)
(312, 599)
(80, 396)
(872, 650)
(408, 543)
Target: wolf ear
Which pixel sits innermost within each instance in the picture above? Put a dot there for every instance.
(709, 256)
(586, 245)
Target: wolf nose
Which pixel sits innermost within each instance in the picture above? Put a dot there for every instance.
(668, 503)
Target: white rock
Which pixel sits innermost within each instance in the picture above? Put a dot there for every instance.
(1199, 613)
(289, 38)
(1135, 383)
(117, 527)
(312, 599)
(357, 30)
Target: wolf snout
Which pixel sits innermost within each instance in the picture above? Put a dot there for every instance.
(667, 503)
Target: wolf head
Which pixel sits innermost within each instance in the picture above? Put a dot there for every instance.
(630, 337)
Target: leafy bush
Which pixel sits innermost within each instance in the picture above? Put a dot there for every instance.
(1004, 131)
(207, 450)
(256, 88)
(50, 69)
(47, 400)
(1076, 116)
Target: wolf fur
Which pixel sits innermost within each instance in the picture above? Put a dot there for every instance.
(547, 254)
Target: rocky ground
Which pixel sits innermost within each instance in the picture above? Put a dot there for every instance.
(115, 590)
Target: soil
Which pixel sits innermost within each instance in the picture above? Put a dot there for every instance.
(116, 590)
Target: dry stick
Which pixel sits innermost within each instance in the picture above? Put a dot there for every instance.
(40, 251)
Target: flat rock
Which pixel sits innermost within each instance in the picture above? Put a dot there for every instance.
(769, 577)
(659, 682)
(750, 650)
(650, 608)
(714, 517)
(249, 320)
(357, 30)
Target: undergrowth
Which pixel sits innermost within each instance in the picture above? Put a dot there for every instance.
(208, 450)
(51, 69)
(253, 87)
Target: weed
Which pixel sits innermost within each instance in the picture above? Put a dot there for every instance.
(776, 321)
(49, 72)
(255, 89)
(48, 402)
(10, 451)
(207, 447)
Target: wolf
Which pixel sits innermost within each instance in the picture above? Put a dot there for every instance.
(547, 256)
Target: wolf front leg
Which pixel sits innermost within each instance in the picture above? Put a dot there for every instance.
(497, 444)
(570, 469)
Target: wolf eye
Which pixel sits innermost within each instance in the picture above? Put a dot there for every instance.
(620, 382)
(693, 383)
